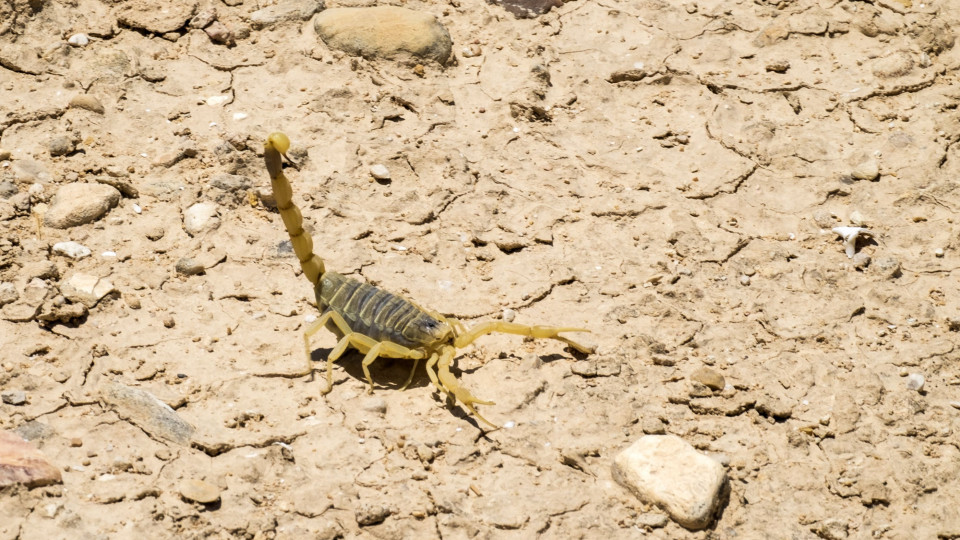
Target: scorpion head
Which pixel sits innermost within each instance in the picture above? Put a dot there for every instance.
(428, 330)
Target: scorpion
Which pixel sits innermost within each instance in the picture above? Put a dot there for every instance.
(378, 323)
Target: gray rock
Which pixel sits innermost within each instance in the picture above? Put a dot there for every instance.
(200, 218)
(286, 10)
(888, 267)
(385, 32)
(21, 463)
(652, 520)
(666, 471)
(86, 289)
(71, 249)
(861, 261)
(189, 266)
(528, 9)
(144, 410)
(232, 183)
(35, 431)
(27, 171)
(14, 397)
(371, 514)
(79, 204)
(61, 145)
(7, 190)
(8, 293)
(824, 219)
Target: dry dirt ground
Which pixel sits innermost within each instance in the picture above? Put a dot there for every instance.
(665, 174)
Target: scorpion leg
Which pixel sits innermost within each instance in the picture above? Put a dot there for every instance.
(416, 362)
(452, 386)
(325, 320)
(542, 332)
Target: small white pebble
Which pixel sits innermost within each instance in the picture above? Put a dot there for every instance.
(109, 254)
(78, 40)
(239, 116)
(137, 209)
(380, 172)
(309, 318)
(516, 130)
(510, 425)
(398, 247)
(258, 315)
(938, 252)
(214, 101)
(213, 124)
(915, 381)
(143, 154)
(745, 280)
(509, 315)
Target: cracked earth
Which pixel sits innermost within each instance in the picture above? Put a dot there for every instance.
(665, 174)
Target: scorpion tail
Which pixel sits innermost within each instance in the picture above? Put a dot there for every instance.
(274, 149)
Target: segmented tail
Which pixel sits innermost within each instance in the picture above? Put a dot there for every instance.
(275, 147)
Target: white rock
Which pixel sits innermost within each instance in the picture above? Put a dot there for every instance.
(666, 471)
(850, 235)
(380, 172)
(86, 289)
(78, 40)
(200, 218)
(71, 249)
(216, 101)
(915, 381)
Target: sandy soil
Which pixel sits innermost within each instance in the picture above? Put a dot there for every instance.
(663, 173)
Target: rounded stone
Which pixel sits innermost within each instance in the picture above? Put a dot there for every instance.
(199, 491)
(384, 32)
(79, 204)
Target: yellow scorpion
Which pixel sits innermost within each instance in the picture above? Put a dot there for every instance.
(378, 323)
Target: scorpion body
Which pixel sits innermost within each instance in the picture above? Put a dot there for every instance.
(378, 323)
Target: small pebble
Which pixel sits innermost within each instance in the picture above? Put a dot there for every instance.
(915, 381)
(215, 101)
(857, 220)
(745, 280)
(137, 209)
(380, 172)
(509, 315)
(169, 322)
(199, 491)
(87, 102)
(938, 252)
(189, 266)
(861, 260)
(76, 442)
(14, 397)
(79, 40)
(709, 378)
(71, 249)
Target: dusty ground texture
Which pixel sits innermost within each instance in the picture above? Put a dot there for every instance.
(663, 173)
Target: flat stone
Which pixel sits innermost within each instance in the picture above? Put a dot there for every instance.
(894, 65)
(232, 183)
(156, 18)
(21, 463)
(200, 218)
(14, 397)
(384, 32)
(380, 172)
(666, 471)
(87, 102)
(709, 378)
(28, 170)
(8, 293)
(527, 9)
(199, 491)
(285, 11)
(86, 289)
(61, 145)
(79, 204)
(189, 266)
(71, 249)
(144, 410)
